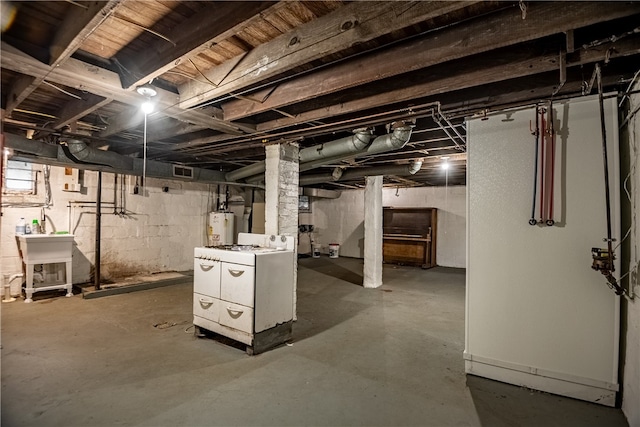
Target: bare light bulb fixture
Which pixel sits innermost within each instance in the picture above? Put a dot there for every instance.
(445, 163)
(147, 107)
(147, 91)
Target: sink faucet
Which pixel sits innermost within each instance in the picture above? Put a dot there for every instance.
(42, 221)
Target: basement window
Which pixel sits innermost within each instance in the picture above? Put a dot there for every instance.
(19, 178)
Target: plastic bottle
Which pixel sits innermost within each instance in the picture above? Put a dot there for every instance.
(35, 227)
(21, 226)
(27, 229)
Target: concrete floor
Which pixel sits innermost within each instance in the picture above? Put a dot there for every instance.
(390, 356)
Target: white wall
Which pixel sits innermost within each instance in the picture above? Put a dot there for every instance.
(537, 314)
(631, 380)
(158, 234)
(341, 220)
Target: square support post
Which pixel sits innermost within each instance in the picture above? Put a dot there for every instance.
(281, 198)
(373, 232)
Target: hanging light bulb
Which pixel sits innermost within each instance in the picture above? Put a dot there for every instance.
(148, 91)
(445, 163)
(147, 107)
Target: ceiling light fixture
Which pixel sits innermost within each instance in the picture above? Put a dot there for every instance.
(147, 90)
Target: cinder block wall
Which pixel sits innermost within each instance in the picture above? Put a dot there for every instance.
(158, 232)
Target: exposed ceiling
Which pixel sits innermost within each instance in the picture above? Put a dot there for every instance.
(232, 77)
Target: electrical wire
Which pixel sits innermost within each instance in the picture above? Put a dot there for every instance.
(73, 95)
(635, 76)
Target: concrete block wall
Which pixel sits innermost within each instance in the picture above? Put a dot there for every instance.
(158, 233)
(341, 220)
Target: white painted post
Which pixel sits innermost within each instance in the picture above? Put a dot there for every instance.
(373, 232)
(281, 198)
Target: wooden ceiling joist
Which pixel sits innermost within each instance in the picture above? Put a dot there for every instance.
(470, 74)
(78, 24)
(105, 83)
(74, 110)
(482, 35)
(355, 23)
(189, 38)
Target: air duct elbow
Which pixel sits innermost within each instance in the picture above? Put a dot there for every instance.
(351, 144)
(81, 153)
(391, 141)
(415, 167)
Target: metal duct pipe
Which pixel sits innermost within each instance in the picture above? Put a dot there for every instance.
(254, 169)
(54, 155)
(351, 144)
(30, 146)
(389, 142)
(339, 147)
(398, 170)
(83, 153)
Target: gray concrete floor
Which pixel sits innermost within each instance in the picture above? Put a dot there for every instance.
(384, 357)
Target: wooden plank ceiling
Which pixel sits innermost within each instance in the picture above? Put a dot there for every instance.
(234, 76)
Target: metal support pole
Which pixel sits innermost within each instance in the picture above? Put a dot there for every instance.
(98, 226)
(606, 167)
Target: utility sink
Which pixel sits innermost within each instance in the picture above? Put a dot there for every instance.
(46, 249)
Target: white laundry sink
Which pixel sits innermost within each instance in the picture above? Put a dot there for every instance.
(46, 248)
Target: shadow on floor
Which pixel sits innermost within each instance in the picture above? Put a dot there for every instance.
(335, 267)
(497, 402)
(326, 296)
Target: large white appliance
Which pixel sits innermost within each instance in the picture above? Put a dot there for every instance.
(245, 291)
(221, 228)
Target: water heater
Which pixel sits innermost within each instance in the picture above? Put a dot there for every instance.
(221, 226)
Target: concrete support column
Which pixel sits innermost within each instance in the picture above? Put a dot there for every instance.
(373, 232)
(281, 198)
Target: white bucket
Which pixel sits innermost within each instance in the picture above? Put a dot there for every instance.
(316, 251)
(334, 250)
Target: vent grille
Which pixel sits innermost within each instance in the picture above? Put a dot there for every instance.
(182, 172)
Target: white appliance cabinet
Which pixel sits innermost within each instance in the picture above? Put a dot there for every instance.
(245, 294)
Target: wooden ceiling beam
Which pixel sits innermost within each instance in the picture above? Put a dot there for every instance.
(105, 83)
(191, 37)
(74, 110)
(20, 89)
(473, 73)
(481, 35)
(78, 24)
(354, 23)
